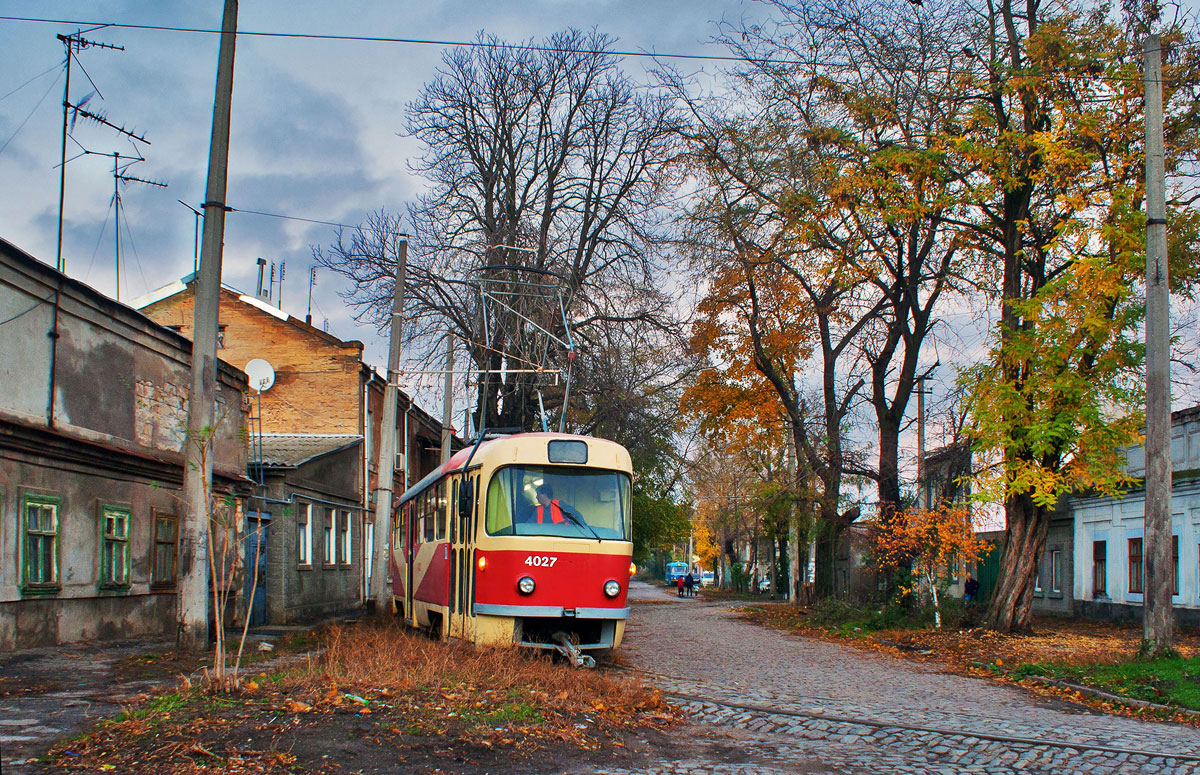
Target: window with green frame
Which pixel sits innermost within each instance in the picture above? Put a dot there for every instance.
(39, 515)
(114, 556)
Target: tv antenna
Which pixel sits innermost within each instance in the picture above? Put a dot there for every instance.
(524, 315)
(73, 43)
(119, 177)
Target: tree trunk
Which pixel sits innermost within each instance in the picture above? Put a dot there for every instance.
(1024, 540)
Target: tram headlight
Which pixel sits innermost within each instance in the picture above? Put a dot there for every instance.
(612, 588)
(525, 585)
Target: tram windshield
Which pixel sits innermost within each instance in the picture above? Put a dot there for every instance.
(559, 501)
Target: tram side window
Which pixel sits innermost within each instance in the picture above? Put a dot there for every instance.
(428, 512)
(440, 500)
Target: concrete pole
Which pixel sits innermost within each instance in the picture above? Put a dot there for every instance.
(197, 472)
(448, 397)
(794, 538)
(380, 565)
(922, 497)
(1158, 622)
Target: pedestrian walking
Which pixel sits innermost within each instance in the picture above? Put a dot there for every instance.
(689, 585)
(970, 589)
(679, 586)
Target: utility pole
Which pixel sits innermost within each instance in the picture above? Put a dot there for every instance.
(197, 470)
(387, 444)
(921, 489)
(1159, 620)
(448, 397)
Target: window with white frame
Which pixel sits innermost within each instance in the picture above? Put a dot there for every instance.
(1056, 571)
(40, 518)
(304, 532)
(344, 553)
(114, 557)
(330, 536)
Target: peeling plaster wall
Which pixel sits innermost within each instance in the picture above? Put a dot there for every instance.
(113, 436)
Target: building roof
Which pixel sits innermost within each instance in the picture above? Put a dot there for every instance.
(289, 450)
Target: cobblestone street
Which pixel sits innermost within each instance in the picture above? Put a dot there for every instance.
(789, 704)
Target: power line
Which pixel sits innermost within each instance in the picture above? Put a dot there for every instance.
(412, 41)
(1083, 68)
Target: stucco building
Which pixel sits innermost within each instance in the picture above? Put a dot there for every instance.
(314, 449)
(93, 417)
(1109, 534)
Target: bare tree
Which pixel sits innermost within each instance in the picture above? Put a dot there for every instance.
(546, 167)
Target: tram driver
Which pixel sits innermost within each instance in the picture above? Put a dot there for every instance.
(550, 510)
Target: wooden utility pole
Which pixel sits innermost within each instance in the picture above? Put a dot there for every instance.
(448, 398)
(387, 445)
(197, 471)
(1159, 619)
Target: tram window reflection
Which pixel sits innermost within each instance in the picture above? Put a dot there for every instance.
(576, 503)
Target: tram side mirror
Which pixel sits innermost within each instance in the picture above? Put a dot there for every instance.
(465, 499)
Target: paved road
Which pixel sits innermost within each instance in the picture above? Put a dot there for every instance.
(792, 704)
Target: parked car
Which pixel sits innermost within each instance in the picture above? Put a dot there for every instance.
(707, 579)
(764, 585)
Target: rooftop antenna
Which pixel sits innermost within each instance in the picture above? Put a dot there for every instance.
(312, 280)
(271, 283)
(119, 176)
(196, 252)
(72, 43)
(282, 274)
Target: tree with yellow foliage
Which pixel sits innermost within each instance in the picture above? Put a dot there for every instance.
(930, 541)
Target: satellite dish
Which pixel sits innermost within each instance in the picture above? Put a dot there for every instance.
(261, 374)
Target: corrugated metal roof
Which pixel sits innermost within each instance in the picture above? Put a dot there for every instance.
(288, 450)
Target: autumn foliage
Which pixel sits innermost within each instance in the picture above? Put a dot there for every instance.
(934, 541)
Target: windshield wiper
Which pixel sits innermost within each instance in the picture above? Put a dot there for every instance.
(581, 522)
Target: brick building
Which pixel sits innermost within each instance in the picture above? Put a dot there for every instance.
(314, 450)
(93, 417)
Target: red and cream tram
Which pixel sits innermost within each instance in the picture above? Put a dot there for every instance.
(519, 539)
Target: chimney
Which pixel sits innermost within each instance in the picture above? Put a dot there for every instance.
(262, 263)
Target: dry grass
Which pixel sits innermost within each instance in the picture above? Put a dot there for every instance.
(385, 696)
(386, 658)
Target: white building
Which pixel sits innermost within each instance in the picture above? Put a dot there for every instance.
(1109, 577)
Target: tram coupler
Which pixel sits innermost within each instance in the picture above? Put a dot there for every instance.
(572, 652)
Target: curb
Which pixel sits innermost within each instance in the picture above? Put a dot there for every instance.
(1103, 695)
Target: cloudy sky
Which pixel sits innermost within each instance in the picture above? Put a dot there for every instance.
(315, 124)
(315, 128)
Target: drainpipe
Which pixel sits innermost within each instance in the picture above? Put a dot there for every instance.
(53, 334)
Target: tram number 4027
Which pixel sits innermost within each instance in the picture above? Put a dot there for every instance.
(541, 560)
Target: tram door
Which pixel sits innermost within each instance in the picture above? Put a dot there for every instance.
(408, 552)
(459, 578)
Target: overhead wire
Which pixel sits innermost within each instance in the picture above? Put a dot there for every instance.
(42, 74)
(26, 120)
(442, 43)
